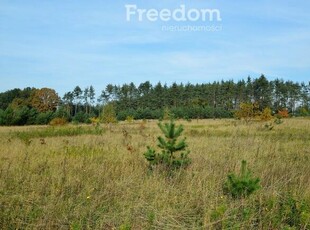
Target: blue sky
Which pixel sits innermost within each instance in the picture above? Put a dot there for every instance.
(64, 43)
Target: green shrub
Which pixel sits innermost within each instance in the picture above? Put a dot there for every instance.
(58, 121)
(173, 153)
(242, 185)
(168, 115)
(108, 114)
(94, 120)
(62, 113)
(129, 119)
(147, 113)
(303, 111)
(17, 116)
(80, 117)
(44, 118)
(266, 115)
(123, 114)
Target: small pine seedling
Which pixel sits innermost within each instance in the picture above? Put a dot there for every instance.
(243, 185)
(173, 153)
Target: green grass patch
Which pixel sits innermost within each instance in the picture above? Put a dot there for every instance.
(58, 132)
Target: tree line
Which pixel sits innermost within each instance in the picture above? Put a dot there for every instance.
(146, 101)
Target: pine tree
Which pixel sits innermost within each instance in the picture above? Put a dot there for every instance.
(173, 153)
(242, 185)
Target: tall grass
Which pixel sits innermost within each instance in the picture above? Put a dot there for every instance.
(92, 180)
(58, 131)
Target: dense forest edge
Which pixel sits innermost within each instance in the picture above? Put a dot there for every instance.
(32, 106)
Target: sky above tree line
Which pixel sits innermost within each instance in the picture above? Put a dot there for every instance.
(61, 44)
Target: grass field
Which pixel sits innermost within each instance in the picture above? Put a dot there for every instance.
(91, 177)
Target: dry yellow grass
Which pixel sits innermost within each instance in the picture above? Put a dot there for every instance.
(101, 181)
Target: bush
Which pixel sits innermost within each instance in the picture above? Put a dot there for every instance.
(147, 113)
(44, 118)
(123, 114)
(222, 113)
(94, 120)
(168, 115)
(62, 113)
(58, 121)
(32, 116)
(247, 111)
(2, 117)
(303, 112)
(266, 114)
(20, 116)
(283, 113)
(129, 119)
(108, 114)
(80, 117)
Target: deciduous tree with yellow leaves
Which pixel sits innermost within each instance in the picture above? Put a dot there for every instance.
(45, 99)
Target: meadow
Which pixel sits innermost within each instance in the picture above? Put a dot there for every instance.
(96, 177)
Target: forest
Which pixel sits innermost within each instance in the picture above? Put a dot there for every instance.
(30, 106)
